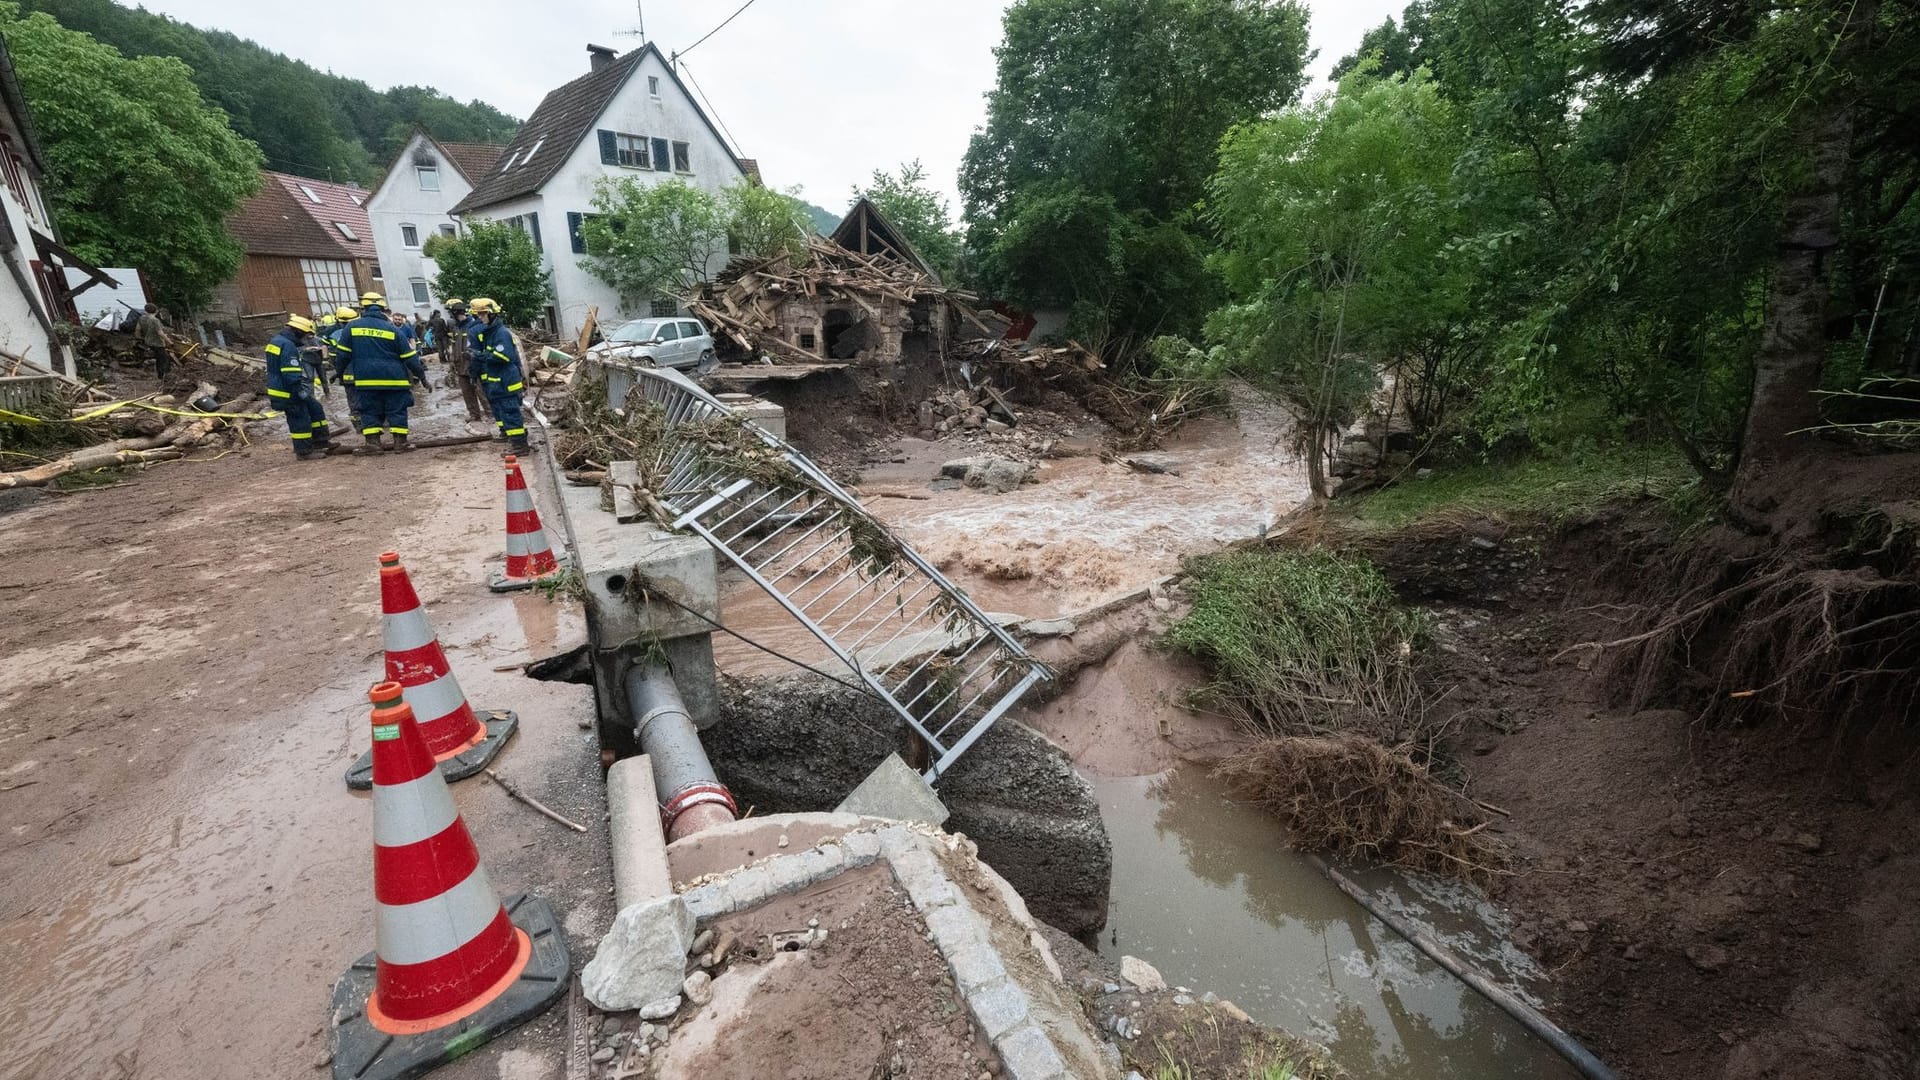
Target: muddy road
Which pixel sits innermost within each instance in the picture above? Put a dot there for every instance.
(184, 685)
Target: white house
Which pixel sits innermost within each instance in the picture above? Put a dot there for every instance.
(34, 290)
(628, 116)
(413, 202)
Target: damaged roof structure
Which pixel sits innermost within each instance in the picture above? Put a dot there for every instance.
(863, 295)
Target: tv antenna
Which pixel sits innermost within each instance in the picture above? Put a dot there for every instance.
(640, 9)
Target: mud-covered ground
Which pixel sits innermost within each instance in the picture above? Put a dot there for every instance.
(187, 657)
(1737, 903)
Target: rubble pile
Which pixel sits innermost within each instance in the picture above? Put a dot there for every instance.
(744, 305)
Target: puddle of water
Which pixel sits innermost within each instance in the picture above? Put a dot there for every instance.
(1206, 891)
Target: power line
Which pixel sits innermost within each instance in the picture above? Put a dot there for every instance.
(711, 111)
(715, 30)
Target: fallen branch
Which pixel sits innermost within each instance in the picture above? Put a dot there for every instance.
(536, 804)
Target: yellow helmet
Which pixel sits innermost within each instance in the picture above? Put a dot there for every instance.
(455, 303)
(372, 298)
(328, 320)
(300, 323)
(346, 314)
(483, 306)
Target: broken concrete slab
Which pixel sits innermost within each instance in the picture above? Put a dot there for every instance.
(1049, 627)
(643, 958)
(895, 790)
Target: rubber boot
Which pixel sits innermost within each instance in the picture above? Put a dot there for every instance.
(518, 444)
(400, 443)
(373, 445)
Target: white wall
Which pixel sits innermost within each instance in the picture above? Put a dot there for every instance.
(400, 201)
(99, 298)
(634, 111)
(21, 331)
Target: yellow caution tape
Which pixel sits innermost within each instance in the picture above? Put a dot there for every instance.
(22, 418)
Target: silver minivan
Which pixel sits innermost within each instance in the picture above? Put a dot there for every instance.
(669, 343)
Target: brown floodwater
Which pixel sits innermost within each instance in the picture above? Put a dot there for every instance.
(1207, 891)
(1085, 531)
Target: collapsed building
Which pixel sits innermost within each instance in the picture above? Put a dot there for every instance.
(861, 296)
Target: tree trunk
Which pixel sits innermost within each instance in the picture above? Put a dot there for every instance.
(1793, 342)
(1317, 467)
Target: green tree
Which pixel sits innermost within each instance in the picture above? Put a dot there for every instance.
(652, 240)
(1111, 111)
(763, 223)
(1400, 48)
(497, 261)
(1335, 220)
(144, 173)
(307, 122)
(918, 211)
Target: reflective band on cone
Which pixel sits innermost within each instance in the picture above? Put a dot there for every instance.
(529, 556)
(445, 945)
(416, 661)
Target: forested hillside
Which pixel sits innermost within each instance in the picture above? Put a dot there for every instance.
(306, 121)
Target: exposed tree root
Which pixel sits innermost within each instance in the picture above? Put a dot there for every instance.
(1352, 796)
(1832, 637)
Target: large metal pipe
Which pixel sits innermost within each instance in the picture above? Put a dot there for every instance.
(692, 798)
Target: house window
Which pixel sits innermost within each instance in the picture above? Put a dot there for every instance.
(682, 158)
(357, 200)
(420, 294)
(429, 177)
(806, 340)
(529, 224)
(344, 230)
(576, 238)
(374, 269)
(633, 151)
(653, 85)
(448, 230)
(310, 194)
(410, 236)
(538, 143)
(665, 307)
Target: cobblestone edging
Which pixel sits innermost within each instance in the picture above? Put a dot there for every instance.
(999, 1005)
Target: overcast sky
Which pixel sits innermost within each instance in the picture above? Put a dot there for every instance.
(822, 92)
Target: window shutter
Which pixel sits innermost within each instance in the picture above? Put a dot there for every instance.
(609, 150)
(534, 221)
(573, 233)
(662, 157)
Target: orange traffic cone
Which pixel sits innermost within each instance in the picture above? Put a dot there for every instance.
(452, 965)
(529, 555)
(454, 735)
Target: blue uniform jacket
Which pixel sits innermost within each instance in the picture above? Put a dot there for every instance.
(286, 375)
(383, 357)
(499, 360)
(341, 353)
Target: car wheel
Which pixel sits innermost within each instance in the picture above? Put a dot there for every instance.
(707, 363)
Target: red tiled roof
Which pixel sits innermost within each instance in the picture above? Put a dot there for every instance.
(336, 205)
(270, 222)
(474, 160)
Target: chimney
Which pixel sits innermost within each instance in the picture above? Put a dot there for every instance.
(600, 56)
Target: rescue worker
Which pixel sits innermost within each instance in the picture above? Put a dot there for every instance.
(500, 373)
(457, 353)
(290, 389)
(384, 366)
(338, 353)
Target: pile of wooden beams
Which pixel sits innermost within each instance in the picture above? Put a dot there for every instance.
(746, 299)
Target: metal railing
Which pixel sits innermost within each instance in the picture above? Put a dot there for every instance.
(907, 633)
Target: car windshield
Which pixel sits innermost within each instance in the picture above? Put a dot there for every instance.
(638, 330)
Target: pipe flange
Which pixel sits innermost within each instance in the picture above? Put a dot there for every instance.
(698, 793)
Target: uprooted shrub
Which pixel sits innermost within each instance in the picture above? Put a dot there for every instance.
(1350, 796)
(1304, 642)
